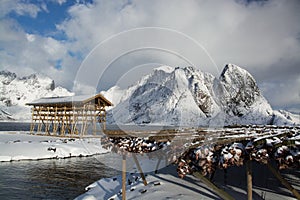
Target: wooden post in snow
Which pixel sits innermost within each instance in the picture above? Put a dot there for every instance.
(249, 179)
(157, 165)
(140, 169)
(124, 177)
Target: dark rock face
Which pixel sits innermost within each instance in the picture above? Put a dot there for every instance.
(238, 90)
(7, 77)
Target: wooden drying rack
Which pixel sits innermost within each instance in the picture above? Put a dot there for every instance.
(197, 135)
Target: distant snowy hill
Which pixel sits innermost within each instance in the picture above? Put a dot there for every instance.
(15, 92)
(190, 97)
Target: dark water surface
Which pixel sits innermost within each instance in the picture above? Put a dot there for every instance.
(14, 126)
(51, 179)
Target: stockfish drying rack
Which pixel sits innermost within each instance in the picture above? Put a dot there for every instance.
(233, 146)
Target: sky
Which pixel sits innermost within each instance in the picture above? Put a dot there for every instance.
(94, 44)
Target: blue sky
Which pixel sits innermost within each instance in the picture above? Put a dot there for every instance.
(59, 37)
(45, 22)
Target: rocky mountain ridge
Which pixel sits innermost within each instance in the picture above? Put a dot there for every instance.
(17, 91)
(190, 97)
(167, 96)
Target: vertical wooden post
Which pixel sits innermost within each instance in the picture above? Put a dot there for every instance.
(283, 181)
(249, 179)
(40, 120)
(47, 126)
(73, 121)
(32, 120)
(157, 165)
(84, 120)
(124, 177)
(104, 119)
(140, 169)
(55, 122)
(94, 123)
(63, 123)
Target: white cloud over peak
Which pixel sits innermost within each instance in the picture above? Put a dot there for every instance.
(262, 37)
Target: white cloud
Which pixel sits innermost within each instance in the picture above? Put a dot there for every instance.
(30, 37)
(60, 2)
(19, 7)
(262, 37)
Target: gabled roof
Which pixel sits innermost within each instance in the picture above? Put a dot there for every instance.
(69, 100)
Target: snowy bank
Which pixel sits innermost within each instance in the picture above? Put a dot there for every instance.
(167, 185)
(23, 146)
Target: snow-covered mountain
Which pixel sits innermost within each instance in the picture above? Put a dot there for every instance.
(15, 92)
(190, 97)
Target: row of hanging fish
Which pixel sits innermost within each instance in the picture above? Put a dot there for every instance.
(284, 149)
(132, 144)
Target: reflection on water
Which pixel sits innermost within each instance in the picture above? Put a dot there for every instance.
(51, 179)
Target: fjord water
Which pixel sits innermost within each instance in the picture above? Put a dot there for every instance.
(51, 178)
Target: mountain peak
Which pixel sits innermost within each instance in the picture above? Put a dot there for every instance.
(6, 76)
(17, 91)
(165, 68)
(189, 97)
(233, 69)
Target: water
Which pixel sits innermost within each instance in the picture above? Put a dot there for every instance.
(14, 126)
(51, 179)
(54, 179)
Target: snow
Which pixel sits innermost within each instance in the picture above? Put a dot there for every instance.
(164, 185)
(165, 68)
(57, 100)
(15, 92)
(286, 118)
(189, 97)
(114, 94)
(20, 145)
(167, 185)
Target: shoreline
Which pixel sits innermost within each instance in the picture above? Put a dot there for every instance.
(20, 145)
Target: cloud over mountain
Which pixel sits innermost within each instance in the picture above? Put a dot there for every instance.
(262, 35)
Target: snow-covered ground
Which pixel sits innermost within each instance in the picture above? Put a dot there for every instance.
(167, 185)
(23, 146)
(164, 185)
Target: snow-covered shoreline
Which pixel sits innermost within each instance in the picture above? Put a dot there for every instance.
(167, 185)
(19, 145)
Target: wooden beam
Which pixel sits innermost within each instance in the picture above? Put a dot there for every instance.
(283, 181)
(218, 191)
(157, 165)
(139, 168)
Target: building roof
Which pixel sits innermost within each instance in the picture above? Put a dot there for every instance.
(70, 100)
